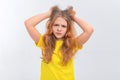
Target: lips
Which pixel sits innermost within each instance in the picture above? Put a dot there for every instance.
(58, 33)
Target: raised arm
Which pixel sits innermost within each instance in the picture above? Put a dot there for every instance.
(32, 22)
(87, 30)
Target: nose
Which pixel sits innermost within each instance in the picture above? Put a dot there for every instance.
(59, 28)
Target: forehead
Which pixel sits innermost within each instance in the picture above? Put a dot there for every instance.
(60, 20)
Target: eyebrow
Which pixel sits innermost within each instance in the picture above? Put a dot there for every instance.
(64, 25)
(58, 24)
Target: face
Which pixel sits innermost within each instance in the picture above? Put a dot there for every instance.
(59, 28)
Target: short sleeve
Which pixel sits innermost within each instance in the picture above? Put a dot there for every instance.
(78, 47)
(40, 42)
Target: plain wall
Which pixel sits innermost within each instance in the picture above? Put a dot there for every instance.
(98, 60)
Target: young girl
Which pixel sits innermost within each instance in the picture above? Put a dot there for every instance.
(59, 43)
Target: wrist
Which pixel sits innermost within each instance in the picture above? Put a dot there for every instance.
(47, 14)
(74, 18)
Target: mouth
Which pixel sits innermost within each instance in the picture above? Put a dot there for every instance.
(58, 33)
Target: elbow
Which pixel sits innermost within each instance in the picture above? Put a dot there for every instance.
(26, 23)
(92, 30)
(29, 23)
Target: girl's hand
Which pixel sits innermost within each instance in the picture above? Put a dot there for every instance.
(73, 14)
(53, 10)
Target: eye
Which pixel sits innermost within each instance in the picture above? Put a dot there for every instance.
(64, 26)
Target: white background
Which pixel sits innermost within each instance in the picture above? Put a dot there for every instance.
(99, 59)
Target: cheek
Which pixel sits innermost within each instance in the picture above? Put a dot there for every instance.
(53, 30)
(65, 30)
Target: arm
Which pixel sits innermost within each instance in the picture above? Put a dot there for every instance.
(87, 30)
(32, 22)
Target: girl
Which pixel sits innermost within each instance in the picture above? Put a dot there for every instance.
(59, 43)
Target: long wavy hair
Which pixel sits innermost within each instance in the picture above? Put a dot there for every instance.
(49, 39)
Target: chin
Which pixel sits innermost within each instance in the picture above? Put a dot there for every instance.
(59, 37)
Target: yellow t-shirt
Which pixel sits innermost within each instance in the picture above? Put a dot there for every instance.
(54, 70)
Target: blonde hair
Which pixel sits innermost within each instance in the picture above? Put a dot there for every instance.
(67, 48)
